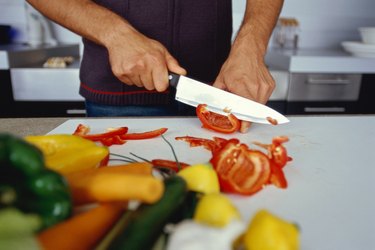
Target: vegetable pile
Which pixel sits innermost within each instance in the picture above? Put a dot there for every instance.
(242, 170)
(65, 190)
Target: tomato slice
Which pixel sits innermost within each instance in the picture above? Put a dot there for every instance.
(216, 122)
(241, 170)
(144, 135)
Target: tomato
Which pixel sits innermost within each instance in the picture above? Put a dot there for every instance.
(241, 170)
(216, 122)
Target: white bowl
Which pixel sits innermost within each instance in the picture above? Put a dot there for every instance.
(367, 34)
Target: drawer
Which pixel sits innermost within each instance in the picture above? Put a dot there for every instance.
(324, 87)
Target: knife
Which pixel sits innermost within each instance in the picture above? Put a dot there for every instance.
(193, 93)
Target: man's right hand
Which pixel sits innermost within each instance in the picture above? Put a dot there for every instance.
(138, 60)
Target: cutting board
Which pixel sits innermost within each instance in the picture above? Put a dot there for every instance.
(331, 178)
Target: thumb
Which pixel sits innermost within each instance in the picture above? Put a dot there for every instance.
(173, 65)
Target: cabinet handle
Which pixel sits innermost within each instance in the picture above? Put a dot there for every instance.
(76, 111)
(325, 109)
(335, 81)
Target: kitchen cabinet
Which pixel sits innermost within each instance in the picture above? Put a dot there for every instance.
(325, 81)
(366, 103)
(323, 93)
(6, 99)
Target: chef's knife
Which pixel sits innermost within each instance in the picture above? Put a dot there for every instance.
(192, 92)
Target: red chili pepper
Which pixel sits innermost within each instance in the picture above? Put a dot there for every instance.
(169, 164)
(216, 122)
(144, 135)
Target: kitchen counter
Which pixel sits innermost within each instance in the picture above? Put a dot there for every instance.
(29, 126)
(330, 180)
(319, 61)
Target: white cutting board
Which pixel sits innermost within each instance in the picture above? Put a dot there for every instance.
(331, 178)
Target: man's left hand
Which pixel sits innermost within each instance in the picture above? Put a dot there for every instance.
(244, 73)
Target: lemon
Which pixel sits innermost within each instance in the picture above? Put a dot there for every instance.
(201, 178)
(216, 210)
(269, 232)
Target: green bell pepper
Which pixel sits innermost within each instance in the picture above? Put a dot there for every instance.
(26, 184)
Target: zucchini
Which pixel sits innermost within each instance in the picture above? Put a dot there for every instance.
(146, 223)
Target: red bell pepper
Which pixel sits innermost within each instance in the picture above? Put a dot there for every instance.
(169, 164)
(144, 135)
(216, 122)
(240, 170)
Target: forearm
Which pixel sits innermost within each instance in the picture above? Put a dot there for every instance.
(259, 21)
(85, 18)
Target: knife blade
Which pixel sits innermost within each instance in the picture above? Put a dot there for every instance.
(193, 93)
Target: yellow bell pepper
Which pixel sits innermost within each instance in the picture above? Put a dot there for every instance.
(201, 178)
(269, 232)
(68, 153)
(216, 210)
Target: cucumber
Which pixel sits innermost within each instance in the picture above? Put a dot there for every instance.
(146, 223)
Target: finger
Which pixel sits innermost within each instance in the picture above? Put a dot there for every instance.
(173, 65)
(219, 83)
(137, 81)
(160, 78)
(147, 80)
(245, 125)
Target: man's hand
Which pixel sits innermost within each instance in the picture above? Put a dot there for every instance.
(245, 74)
(138, 60)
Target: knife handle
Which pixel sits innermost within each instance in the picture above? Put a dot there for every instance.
(173, 79)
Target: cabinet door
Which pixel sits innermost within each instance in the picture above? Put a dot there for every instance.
(324, 87)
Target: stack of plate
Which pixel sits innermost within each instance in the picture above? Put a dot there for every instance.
(364, 48)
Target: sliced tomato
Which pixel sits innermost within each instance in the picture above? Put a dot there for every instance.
(240, 170)
(144, 135)
(216, 122)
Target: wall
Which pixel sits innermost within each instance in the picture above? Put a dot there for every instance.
(323, 23)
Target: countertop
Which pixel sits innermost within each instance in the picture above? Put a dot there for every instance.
(331, 185)
(29, 126)
(319, 61)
